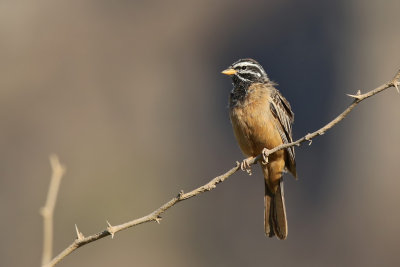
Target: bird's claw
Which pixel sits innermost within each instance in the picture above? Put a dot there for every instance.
(245, 165)
(265, 154)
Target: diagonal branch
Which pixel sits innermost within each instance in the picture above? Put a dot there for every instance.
(47, 211)
(358, 97)
(155, 216)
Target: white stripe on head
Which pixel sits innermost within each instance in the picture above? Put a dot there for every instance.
(243, 79)
(250, 65)
(246, 64)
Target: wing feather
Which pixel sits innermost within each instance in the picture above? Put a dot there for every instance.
(282, 111)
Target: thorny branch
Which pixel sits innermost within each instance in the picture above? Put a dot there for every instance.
(156, 215)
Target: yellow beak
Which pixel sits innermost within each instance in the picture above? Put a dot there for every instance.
(229, 72)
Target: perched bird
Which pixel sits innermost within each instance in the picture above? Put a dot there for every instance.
(262, 119)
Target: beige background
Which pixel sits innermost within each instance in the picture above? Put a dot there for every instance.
(130, 96)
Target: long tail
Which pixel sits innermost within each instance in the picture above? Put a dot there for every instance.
(275, 221)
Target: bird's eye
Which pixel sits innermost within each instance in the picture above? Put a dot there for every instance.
(244, 67)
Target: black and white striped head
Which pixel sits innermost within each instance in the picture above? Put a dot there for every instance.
(246, 71)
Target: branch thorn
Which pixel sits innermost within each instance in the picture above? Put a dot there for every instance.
(110, 229)
(396, 83)
(79, 234)
(180, 194)
(356, 96)
(158, 219)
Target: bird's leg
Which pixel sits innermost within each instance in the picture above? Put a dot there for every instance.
(245, 165)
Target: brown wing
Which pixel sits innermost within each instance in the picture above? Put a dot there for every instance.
(281, 109)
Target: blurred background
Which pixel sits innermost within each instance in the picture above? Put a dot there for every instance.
(130, 96)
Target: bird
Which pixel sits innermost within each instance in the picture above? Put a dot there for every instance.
(262, 119)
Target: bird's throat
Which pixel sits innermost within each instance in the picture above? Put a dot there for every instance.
(239, 91)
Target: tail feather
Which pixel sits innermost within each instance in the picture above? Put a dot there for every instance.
(268, 224)
(275, 221)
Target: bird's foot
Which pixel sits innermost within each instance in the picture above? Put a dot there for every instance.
(265, 155)
(245, 165)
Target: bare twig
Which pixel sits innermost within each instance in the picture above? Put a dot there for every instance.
(156, 215)
(47, 211)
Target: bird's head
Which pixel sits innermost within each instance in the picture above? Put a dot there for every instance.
(245, 71)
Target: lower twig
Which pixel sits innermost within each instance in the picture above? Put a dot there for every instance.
(47, 210)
